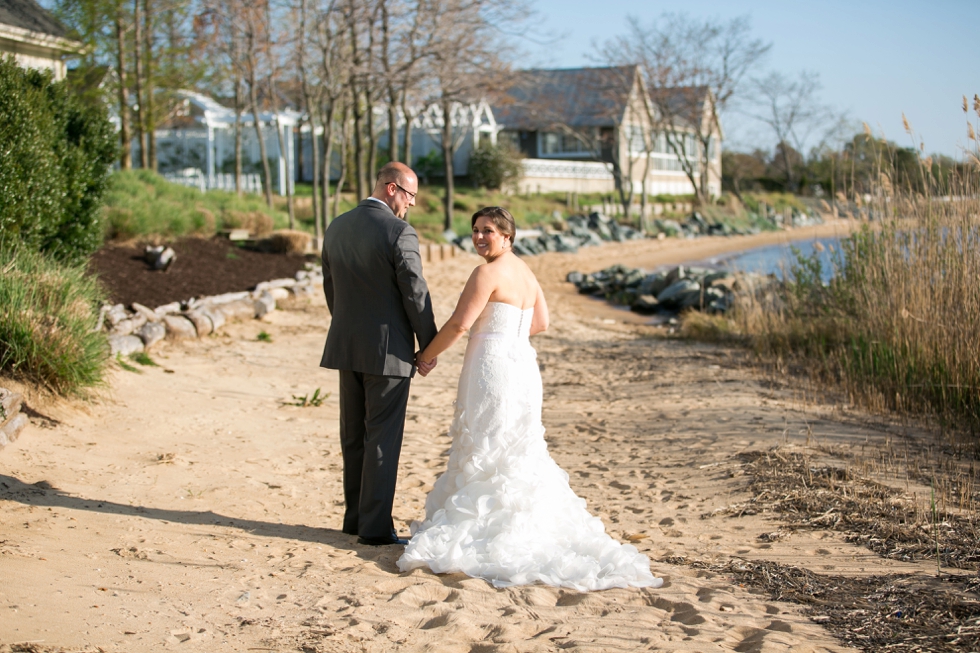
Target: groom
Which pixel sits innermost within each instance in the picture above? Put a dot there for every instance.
(372, 277)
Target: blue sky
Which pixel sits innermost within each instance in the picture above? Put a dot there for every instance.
(875, 59)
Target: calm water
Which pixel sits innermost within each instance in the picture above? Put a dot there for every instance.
(775, 259)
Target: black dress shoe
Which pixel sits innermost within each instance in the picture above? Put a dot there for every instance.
(381, 541)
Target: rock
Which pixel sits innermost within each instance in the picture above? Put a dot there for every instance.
(116, 314)
(280, 283)
(264, 304)
(201, 318)
(279, 294)
(179, 327)
(126, 327)
(166, 309)
(243, 309)
(719, 276)
(633, 278)
(159, 257)
(12, 428)
(449, 235)
(303, 290)
(216, 315)
(672, 294)
(653, 284)
(10, 403)
(676, 274)
(148, 313)
(575, 277)
(151, 333)
(645, 304)
(226, 298)
(124, 345)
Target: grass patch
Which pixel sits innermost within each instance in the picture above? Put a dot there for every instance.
(144, 359)
(126, 366)
(263, 336)
(142, 204)
(314, 400)
(48, 311)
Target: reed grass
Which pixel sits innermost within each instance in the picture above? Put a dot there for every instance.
(898, 326)
(48, 314)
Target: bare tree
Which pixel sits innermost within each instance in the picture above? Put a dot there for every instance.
(465, 64)
(125, 129)
(252, 29)
(790, 108)
(692, 70)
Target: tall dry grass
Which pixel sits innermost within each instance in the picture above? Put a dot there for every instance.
(898, 325)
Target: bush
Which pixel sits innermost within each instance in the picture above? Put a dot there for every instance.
(493, 166)
(48, 313)
(54, 164)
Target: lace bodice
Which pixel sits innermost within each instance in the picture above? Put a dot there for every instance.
(500, 320)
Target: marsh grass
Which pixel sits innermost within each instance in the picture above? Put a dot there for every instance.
(897, 328)
(48, 313)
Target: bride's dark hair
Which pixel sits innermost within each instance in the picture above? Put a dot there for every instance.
(500, 217)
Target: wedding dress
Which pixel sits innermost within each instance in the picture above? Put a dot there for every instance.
(503, 510)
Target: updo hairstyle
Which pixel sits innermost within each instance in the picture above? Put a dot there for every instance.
(500, 217)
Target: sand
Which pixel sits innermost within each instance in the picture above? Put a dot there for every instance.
(191, 507)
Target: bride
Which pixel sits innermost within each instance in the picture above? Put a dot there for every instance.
(504, 511)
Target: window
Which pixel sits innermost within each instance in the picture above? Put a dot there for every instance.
(564, 143)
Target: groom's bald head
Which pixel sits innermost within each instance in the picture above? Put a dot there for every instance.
(396, 186)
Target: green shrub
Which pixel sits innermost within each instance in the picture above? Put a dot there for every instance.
(48, 313)
(494, 166)
(54, 164)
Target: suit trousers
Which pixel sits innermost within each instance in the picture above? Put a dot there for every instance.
(372, 424)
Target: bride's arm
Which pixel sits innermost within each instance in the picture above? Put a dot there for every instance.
(539, 321)
(476, 294)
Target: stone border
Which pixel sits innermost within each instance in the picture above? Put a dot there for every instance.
(140, 328)
(12, 420)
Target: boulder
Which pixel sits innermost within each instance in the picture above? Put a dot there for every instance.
(280, 294)
(264, 304)
(672, 294)
(279, 283)
(653, 284)
(719, 276)
(201, 318)
(179, 327)
(116, 314)
(151, 333)
(166, 309)
(243, 309)
(12, 428)
(575, 277)
(645, 304)
(303, 290)
(10, 403)
(124, 345)
(148, 313)
(125, 327)
(216, 315)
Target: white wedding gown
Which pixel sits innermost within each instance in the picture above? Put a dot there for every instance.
(503, 510)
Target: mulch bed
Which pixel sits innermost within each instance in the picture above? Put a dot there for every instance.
(202, 267)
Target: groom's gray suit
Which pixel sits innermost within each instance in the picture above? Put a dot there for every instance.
(372, 278)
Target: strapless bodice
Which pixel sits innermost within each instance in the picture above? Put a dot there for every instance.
(499, 320)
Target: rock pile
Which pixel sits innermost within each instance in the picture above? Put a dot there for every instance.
(697, 225)
(576, 231)
(12, 421)
(671, 291)
(139, 327)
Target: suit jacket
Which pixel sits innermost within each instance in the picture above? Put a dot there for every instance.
(372, 277)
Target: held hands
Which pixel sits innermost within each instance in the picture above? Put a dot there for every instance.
(424, 366)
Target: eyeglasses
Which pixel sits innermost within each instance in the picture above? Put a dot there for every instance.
(410, 194)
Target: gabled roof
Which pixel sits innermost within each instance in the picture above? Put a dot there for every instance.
(685, 104)
(27, 14)
(575, 97)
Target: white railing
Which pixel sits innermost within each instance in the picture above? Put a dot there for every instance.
(567, 169)
(251, 183)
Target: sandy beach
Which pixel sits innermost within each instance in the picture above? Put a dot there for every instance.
(193, 507)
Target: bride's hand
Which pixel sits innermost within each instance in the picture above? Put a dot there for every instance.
(424, 366)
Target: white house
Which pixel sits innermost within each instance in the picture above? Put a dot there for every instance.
(34, 37)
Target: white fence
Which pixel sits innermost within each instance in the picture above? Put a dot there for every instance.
(251, 183)
(566, 169)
